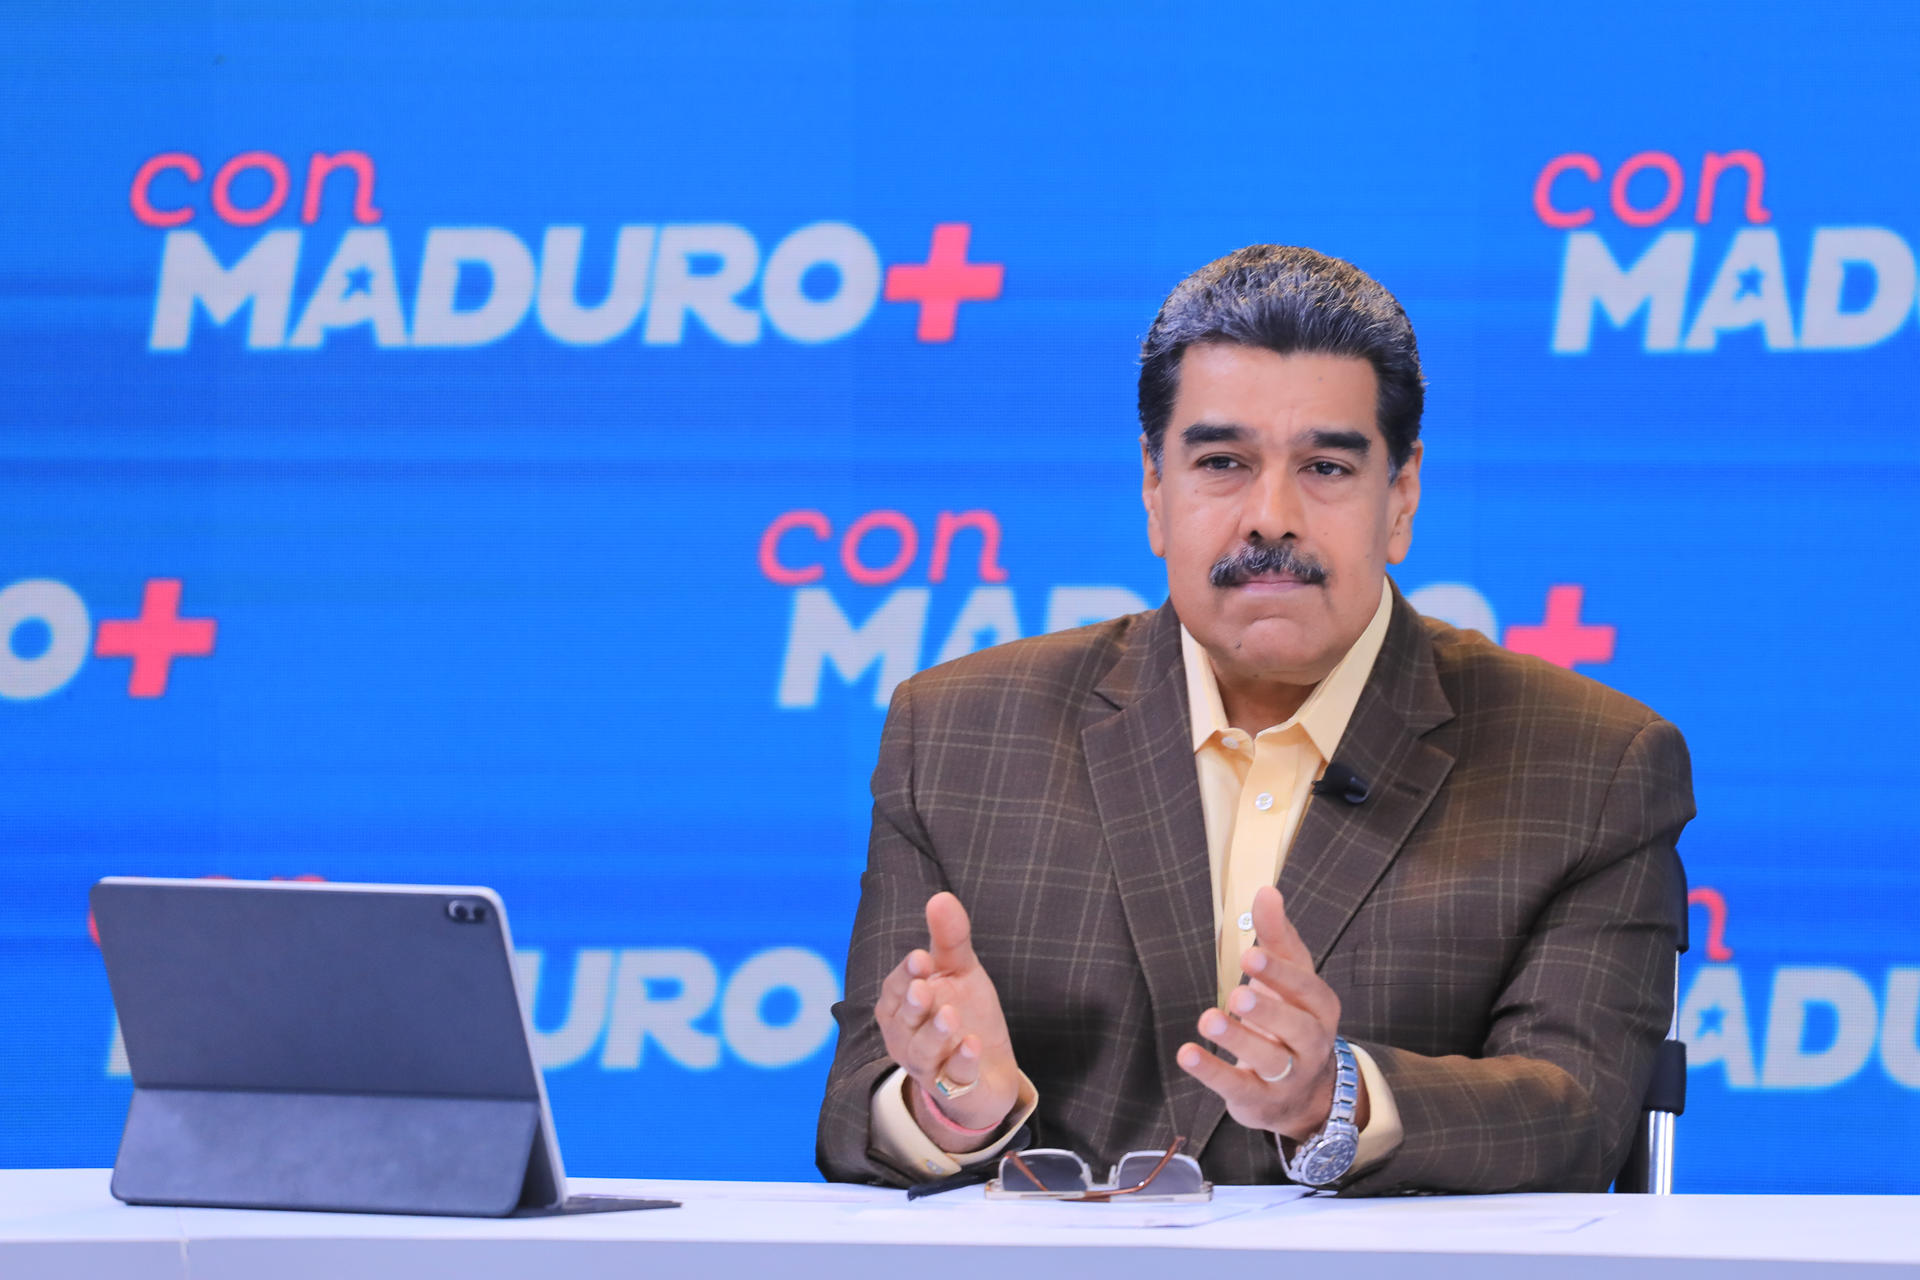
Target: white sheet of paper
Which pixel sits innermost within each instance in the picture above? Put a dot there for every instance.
(1448, 1215)
(1114, 1214)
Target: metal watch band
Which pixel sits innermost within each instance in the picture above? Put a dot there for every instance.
(1326, 1157)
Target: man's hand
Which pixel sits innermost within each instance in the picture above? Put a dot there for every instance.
(1279, 1026)
(940, 1016)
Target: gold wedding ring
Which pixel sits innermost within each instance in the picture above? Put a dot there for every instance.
(949, 1090)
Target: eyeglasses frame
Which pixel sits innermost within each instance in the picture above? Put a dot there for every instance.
(1101, 1195)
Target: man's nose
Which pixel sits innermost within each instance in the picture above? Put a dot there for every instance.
(1272, 509)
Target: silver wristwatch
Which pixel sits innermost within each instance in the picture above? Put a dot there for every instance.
(1325, 1158)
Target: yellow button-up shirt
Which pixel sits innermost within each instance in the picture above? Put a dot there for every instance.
(1254, 788)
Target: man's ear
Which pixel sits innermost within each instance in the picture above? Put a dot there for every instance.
(1150, 496)
(1403, 501)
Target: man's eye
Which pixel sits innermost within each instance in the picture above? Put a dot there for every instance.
(1323, 467)
(1216, 462)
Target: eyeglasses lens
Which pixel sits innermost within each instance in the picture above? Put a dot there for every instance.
(1181, 1177)
(1056, 1170)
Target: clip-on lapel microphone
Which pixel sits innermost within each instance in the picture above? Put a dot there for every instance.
(1343, 783)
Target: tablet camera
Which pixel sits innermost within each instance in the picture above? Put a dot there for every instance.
(467, 911)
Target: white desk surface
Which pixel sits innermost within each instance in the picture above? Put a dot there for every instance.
(62, 1224)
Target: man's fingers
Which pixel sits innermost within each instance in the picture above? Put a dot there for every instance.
(1265, 1014)
(1230, 1082)
(937, 1037)
(916, 1006)
(951, 934)
(1275, 932)
(963, 1064)
(893, 990)
(1297, 986)
(1254, 1052)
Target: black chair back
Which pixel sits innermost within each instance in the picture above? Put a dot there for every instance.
(1649, 1166)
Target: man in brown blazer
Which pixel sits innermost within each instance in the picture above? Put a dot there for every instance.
(1462, 977)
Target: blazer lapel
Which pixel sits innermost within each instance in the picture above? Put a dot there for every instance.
(1340, 850)
(1148, 792)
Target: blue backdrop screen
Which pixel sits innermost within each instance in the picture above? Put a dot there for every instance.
(526, 444)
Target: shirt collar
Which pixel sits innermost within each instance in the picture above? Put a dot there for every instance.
(1323, 715)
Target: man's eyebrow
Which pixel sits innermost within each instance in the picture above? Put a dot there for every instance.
(1348, 441)
(1212, 433)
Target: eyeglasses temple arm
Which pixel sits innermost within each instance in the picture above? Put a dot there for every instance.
(1166, 1157)
(1025, 1172)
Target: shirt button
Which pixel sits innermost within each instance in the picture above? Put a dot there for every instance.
(1245, 922)
(1263, 801)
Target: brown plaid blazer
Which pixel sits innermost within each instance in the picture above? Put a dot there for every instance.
(1496, 918)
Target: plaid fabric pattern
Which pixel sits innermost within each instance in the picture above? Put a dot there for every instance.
(1496, 918)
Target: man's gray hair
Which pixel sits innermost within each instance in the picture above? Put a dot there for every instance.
(1286, 299)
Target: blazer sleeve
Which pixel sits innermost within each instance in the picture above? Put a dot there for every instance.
(1551, 1101)
(901, 875)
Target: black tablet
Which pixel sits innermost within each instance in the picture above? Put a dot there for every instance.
(346, 1047)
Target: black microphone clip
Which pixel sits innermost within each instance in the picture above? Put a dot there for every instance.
(1342, 782)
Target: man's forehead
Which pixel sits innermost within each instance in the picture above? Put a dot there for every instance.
(1274, 399)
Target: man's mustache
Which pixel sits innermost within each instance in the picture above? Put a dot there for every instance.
(1260, 558)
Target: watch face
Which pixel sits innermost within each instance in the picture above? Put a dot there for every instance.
(1329, 1158)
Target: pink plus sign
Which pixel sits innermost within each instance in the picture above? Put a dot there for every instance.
(944, 281)
(155, 638)
(1562, 638)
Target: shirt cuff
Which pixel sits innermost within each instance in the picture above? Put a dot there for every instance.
(1383, 1134)
(896, 1137)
